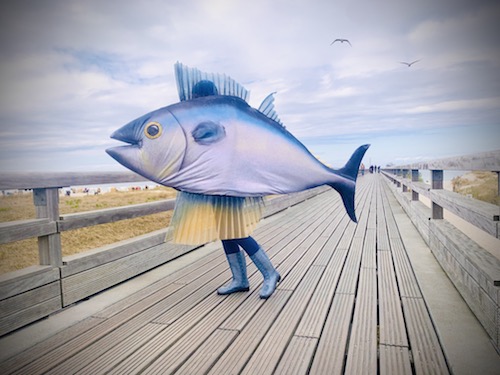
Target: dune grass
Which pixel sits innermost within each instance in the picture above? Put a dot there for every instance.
(21, 254)
(479, 185)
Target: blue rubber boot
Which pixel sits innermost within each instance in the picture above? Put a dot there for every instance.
(271, 276)
(238, 268)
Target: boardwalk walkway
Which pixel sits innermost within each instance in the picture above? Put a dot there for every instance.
(349, 302)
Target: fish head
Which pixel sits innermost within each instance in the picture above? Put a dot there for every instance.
(155, 148)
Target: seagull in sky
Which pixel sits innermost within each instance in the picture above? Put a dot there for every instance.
(409, 64)
(341, 41)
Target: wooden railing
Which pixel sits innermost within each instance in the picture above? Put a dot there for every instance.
(474, 270)
(37, 291)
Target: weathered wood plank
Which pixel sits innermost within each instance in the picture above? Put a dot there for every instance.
(362, 350)
(39, 180)
(268, 353)
(23, 229)
(297, 357)
(201, 361)
(99, 363)
(174, 356)
(30, 314)
(391, 321)
(91, 281)
(97, 257)
(128, 319)
(29, 278)
(426, 349)
(42, 348)
(330, 354)
(237, 354)
(314, 317)
(31, 297)
(394, 360)
(117, 349)
(483, 161)
(109, 215)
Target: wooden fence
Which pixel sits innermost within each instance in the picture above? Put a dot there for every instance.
(474, 271)
(38, 291)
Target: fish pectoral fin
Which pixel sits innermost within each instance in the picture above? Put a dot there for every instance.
(208, 132)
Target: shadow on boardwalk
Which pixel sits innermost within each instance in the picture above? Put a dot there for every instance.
(349, 302)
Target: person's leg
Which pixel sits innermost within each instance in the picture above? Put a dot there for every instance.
(238, 266)
(264, 265)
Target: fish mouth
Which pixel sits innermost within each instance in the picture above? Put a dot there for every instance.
(125, 154)
(125, 136)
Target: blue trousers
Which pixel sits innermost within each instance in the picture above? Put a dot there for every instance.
(248, 244)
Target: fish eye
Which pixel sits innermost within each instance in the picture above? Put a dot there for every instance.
(152, 130)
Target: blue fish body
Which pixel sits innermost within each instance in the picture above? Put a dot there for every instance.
(219, 145)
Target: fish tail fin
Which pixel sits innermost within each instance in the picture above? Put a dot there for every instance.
(347, 186)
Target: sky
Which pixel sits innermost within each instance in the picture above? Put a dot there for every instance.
(72, 72)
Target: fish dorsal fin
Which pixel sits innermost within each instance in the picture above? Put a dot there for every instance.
(267, 108)
(187, 78)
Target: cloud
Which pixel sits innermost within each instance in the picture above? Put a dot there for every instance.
(72, 72)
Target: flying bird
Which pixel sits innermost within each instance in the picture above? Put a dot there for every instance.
(409, 64)
(341, 41)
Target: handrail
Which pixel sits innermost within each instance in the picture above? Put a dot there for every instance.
(483, 215)
(39, 180)
(482, 161)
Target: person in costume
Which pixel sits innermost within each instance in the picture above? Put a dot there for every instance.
(226, 219)
(223, 157)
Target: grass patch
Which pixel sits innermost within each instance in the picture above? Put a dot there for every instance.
(479, 185)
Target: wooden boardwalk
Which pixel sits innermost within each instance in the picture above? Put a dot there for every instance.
(348, 302)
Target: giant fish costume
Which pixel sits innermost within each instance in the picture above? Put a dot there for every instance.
(222, 153)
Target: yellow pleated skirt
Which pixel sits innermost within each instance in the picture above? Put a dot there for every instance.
(200, 219)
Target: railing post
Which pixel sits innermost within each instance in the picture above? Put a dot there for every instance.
(437, 184)
(405, 187)
(47, 206)
(414, 178)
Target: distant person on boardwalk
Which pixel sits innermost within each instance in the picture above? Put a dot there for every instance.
(362, 168)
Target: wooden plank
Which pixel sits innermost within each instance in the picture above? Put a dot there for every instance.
(105, 354)
(89, 282)
(110, 215)
(480, 264)
(36, 180)
(23, 229)
(100, 363)
(197, 268)
(348, 279)
(27, 299)
(96, 257)
(362, 350)
(235, 357)
(314, 317)
(268, 353)
(408, 285)
(427, 353)
(394, 360)
(17, 282)
(44, 347)
(164, 359)
(369, 257)
(483, 161)
(330, 354)
(133, 316)
(201, 360)
(391, 321)
(30, 314)
(297, 357)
